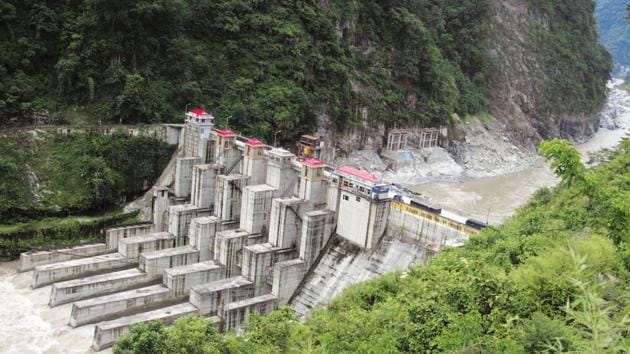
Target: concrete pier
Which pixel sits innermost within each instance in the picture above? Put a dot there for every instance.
(286, 223)
(180, 279)
(179, 218)
(287, 276)
(133, 246)
(30, 260)
(183, 175)
(227, 197)
(48, 274)
(256, 208)
(212, 298)
(227, 247)
(119, 304)
(203, 185)
(317, 228)
(257, 259)
(156, 262)
(103, 284)
(106, 333)
(201, 235)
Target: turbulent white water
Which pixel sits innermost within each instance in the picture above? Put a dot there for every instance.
(28, 325)
(496, 198)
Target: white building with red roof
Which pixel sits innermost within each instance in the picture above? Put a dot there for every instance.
(363, 206)
(202, 119)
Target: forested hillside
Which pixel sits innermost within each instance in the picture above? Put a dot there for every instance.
(554, 278)
(614, 28)
(51, 175)
(277, 65)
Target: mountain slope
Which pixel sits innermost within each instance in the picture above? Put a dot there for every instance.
(279, 65)
(614, 29)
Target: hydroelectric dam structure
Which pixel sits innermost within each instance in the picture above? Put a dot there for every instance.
(243, 228)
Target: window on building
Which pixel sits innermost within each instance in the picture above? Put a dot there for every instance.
(358, 199)
(345, 197)
(345, 183)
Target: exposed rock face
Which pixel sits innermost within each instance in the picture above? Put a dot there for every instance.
(507, 141)
(517, 87)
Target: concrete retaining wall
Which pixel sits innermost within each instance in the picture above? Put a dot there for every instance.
(48, 274)
(30, 260)
(104, 307)
(84, 288)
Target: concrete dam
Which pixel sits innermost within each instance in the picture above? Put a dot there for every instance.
(243, 227)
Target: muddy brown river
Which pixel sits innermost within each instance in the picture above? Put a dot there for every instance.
(494, 199)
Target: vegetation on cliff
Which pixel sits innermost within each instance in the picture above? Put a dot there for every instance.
(273, 65)
(614, 29)
(574, 66)
(60, 175)
(553, 278)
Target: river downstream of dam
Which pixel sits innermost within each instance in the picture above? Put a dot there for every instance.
(29, 325)
(494, 199)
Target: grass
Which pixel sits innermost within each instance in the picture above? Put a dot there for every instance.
(54, 222)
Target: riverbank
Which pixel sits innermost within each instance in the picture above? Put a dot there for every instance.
(496, 198)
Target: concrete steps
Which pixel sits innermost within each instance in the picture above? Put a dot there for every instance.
(119, 304)
(106, 333)
(78, 289)
(77, 268)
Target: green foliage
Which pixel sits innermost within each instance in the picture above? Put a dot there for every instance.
(574, 66)
(189, 335)
(565, 160)
(144, 338)
(271, 65)
(554, 278)
(12, 171)
(76, 173)
(54, 232)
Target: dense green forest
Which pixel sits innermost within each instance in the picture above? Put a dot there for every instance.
(59, 175)
(575, 66)
(553, 278)
(274, 65)
(614, 29)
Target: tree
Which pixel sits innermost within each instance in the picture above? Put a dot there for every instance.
(565, 160)
(194, 335)
(144, 338)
